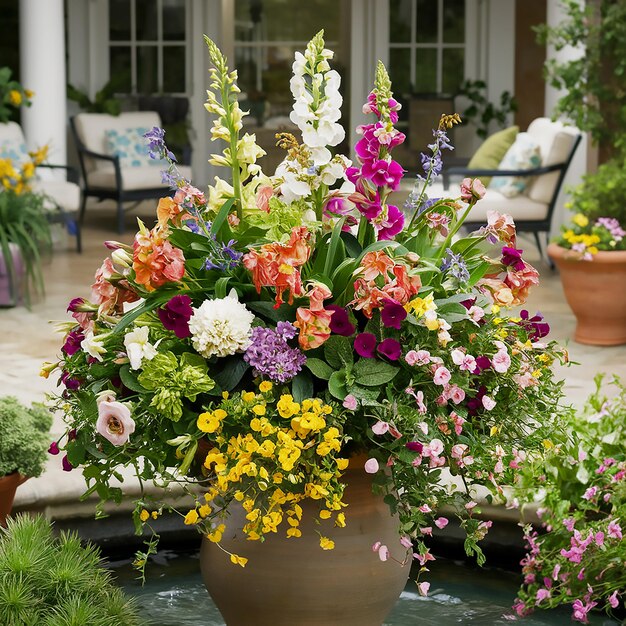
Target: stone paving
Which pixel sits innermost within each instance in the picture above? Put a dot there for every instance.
(28, 338)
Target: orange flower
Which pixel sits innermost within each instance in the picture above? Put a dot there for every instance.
(155, 260)
(263, 195)
(167, 210)
(520, 282)
(314, 327)
(500, 292)
(376, 263)
(317, 293)
(109, 292)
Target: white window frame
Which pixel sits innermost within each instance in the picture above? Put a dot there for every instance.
(159, 43)
(470, 46)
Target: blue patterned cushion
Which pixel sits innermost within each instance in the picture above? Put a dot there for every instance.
(524, 154)
(129, 144)
(17, 152)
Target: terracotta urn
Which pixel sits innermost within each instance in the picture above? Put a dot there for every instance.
(8, 487)
(596, 293)
(293, 581)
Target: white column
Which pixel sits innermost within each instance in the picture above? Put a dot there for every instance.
(42, 61)
(369, 44)
(555, 16)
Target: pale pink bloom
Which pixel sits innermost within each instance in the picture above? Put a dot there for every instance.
(427, 530)
(406, 542)
(498, 468)
(470, 505)
(466, 362)
(458, 450)
(423, 588)
(376, 546)
(456, 394)
(383, 553)
(569, 522)
(582, 455)
(458, 422)
(380, 428)
(580, 610)
(114, 422)
(555, 571)
(424, 508)
(421, 407)
(424, 558)
(441, 522)
(614, 530)
(434, 448)
(613, 601)
(423, 426)
(436, 461)
(501, 361)
(590, 493)
(350, 402)
(488, 403)
(422, 357)
(599, 538)
(476, 313)
(371, 466)
(542, 594)
(411, 358)
(442, 376)
(472, 188)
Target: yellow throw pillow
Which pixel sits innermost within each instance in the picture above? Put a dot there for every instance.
(492, 151)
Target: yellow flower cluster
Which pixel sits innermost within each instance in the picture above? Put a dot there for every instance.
(589, 241)
(270, 454)
(17, 179)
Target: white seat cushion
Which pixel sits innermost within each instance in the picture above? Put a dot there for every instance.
(63, 193)
(146, 177)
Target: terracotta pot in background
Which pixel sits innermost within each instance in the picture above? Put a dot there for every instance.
(596, 293)
(8, 486)
(293, 581)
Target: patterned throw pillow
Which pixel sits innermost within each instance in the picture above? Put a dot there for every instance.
(129, 144)
(524, 154)
(15, 151)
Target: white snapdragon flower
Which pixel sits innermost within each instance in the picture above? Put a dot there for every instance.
(221, 327)
(138, 347)
(93, 346)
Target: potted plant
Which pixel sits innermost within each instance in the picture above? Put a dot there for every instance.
(577, 558)
(56, 580)
(12, 95)
(324, 357)
(23, 444)
(591, 256)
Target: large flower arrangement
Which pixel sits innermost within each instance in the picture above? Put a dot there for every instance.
(256, 338)
(578, 558)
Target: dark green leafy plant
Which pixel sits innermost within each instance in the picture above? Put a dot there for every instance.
(24, 223)
(12, 95)
(593, 83)
(48, 581)
(103, 102)
(481, 111)
(23, 437)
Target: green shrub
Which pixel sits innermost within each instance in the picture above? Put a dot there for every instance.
(600, 194)
(48, 581)
(24, 437)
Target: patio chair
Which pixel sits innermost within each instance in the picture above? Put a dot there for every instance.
(533, 208)
(63, 196)
(114, 160)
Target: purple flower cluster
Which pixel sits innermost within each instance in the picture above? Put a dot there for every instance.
(612, 225)
(432, 163)
(455, 265)
(224, 257)
(156, 145)
(365, 346)
(270, 355)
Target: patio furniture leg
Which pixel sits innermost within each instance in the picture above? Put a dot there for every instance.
(83, 206)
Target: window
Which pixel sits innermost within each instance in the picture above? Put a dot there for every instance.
(427, 45)
(148, 46)
(267, 34)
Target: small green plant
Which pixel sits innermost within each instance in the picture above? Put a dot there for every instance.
(481, 111)
(24, 437)
(24, 223)
(12, 95)
(103, 102)
(48, 581)
(580, 557)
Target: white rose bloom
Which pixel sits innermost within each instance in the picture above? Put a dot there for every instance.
(138, 347)
(221, 327)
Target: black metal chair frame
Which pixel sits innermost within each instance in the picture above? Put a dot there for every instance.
(531, 226)
(119, 194)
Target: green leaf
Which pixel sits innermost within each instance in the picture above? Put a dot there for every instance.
(338, 352)
(372, 372)
(302, 386)
(229, 372)
(335, 238)
(337, 385)
(367, 397)
(319, 368)
(353, 247)
(129, 379)
(284, 313)
(221, 216)
(221, 286)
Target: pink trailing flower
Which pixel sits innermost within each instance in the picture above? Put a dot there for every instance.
(350, 402)
(423, 588)
(380, 428)
(441, 522)
(580, 610)
(441, 376)
(472, 189)
(371, 466)
(114, 422)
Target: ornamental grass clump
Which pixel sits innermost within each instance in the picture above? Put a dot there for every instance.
(50, 581)
(261, 335)
(578, 556)
(24, 437)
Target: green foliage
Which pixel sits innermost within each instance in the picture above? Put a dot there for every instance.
(600, 193)
(12, 95)
(23, 437)
(584, 499)
(23, 222)
(481, 111)
(103, 102)
(592, 84)
(49, 581)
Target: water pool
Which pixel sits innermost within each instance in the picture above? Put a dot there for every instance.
(459, 594)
